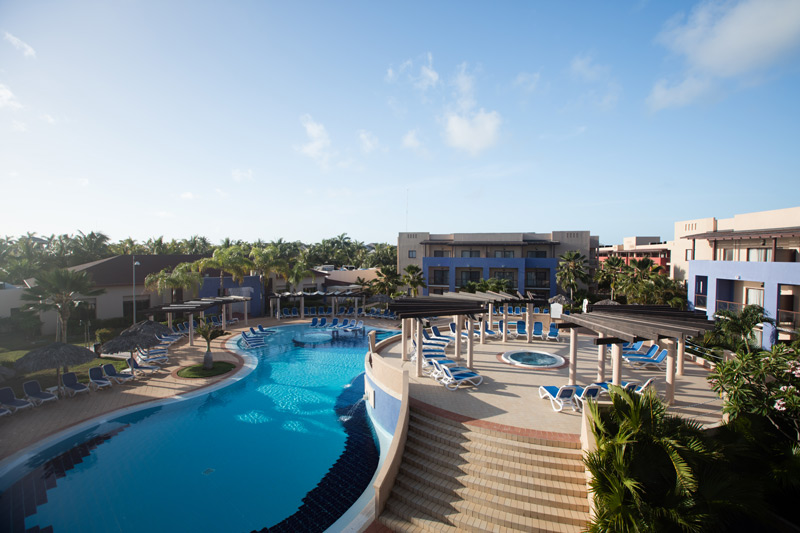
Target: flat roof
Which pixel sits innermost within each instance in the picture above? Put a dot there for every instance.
(730, 235)
(490, 243)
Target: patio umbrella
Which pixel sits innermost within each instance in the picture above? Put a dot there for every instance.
(607, 302)
(128, 342)
(560, 299)
(54, 355)
(148, 327)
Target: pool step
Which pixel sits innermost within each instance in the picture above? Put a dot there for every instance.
(464, 477)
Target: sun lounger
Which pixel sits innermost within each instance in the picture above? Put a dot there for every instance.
(97, 380)
(295, 312)
(285, 313)
(134, 367)
(437, 333)
(650, 354)
(428, 339)
(72, 385)
(314, 322)
(4, 411)
(501, 324)
(34, 393)
(312, 311)
(649, 384)
(644, 362)
(355, 329)
(536, 310)
(452, 380)
(323, 322)
(9, 400)
(522, 331)
(215, 321)
(629, 386)
(253, 341)
(559, 396)
(538, 330)
(344, 324)
(552, 335)
(490, 332)
(633, 349)
(334, 323)
(111, 373)
(584, 394)
(148, 358)
(465, 334)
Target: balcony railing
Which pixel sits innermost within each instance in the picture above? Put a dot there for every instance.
(735, 307)
(700, 300)
(788, 319)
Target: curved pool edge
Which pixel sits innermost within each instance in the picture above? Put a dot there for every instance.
(249, 363)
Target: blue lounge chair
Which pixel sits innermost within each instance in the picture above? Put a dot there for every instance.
(295, 312)
(538, 330)
(97, 380)
(4, 411)
(584, 394)
(344, 324)
(552, 335)
(147, 358)
(286, 313)
(329, 311)
(464, 333)
(452, 378)
(312, 311)
(633, 349)
(253, 342)
(111, 373)
(134, 367)
(314, 322)
(305, 311)
(629, 386)
(360, 311)
(71, 384)
(34, 393)
(216, 321)
(10, 401)
(521, 329)
(334, 323)
(437, 333)
(502, 325)
(490, 332)
(351, 311)
(536, 310)
(355, 329)
(264, 331)
(658, 361)
(431, 340)
(651, 353)
(649, 384)
(517, 311)
(323, 322)
(559, 396)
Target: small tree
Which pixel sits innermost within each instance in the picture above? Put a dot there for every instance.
(571, 269)
(413, 279)
(209, 332)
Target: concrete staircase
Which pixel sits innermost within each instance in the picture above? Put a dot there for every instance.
(458, 477)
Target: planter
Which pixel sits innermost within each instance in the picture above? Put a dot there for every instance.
(208, 360)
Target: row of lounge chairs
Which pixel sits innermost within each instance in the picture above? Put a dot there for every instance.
(520, 311)
(346, 325)
(257, 337)
(439, 366)
(520, 331)
(294, 312)
(632, 353)
(576, 397)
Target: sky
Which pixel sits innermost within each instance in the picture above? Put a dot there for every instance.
(304, 120)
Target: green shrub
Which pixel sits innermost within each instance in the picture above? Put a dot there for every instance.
(104, 335)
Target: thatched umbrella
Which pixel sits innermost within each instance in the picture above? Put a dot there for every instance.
(607, 302)
(54, 355)
(561, 299)
(129, 342)
(148, 327)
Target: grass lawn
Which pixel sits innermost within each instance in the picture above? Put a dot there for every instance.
(197, 371)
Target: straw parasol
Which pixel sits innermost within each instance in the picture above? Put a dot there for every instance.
(607, 302)
(148, 327)
(128, 342)
(561, 299)
(54, 355)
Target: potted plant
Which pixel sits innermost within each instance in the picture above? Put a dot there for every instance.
(209, 332)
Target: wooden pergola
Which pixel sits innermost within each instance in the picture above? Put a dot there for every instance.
(199, 306)
(615, 324)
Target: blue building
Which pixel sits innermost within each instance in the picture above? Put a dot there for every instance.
(527, 260)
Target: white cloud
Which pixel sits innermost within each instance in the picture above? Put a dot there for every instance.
(188, 196)
(473, 133)
(368, 140)
(428, 77)
(527, 81)
(606, 89)
(25, 48)
(7, 98)
(48, 118)
(16, 125)
(725, 40)
(392, 75)
(465, 89)
(410, 140)
(239, 175)
(318, 146)
(681, 94)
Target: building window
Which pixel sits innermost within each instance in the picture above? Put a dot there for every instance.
(754, 297)
(412, 254)
(538, 278)
(441, 277)
(725, 254)
(689, 254)
(504, 254)
(465, 276)
(759, 254)
(441, 253)
(470, 253)
(510, 275)
(537, 254)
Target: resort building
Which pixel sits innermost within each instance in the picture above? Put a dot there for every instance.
(638, 248)
(527, 260)
(753, 258)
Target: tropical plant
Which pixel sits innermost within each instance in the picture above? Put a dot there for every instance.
(60, 290)
(298, 272)
(413, 279)
(209, 332)
(571, 269)
(388, 281)
(737, 329)
(610, 274)
(182, 277)
(231, 260)
(367, 286)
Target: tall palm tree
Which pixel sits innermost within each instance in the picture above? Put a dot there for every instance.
(610, 273)
(230, 260)
(739, 328)
(571, 269)
(182, 277)
(413, 279)
(298, 272)
(87, 247)
(387, 281)
(60, 290)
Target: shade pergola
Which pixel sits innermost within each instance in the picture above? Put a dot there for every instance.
(615, 324)
(344, 293)
(199, 306)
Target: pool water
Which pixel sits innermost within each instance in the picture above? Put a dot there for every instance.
(252, 455)
(528, 358)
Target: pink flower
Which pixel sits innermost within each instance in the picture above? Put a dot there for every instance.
(780, 405)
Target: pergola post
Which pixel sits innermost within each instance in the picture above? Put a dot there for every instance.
(245, 313)
(573, 356)
(601, 360)
(419, 347)
(191, 329)
(670, 394)
(458, 336)
(169, 320)
(278, 309)
(616, 364)
(404, 338)
(529, 323)
(470, 341)
(483, 326)
(505, 322)
(491, 316)
(302, 306)
(681, 354)
(223, 316)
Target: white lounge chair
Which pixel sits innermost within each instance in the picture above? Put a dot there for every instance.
(559, 396)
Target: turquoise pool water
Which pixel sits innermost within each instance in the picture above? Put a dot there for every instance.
(240, 458)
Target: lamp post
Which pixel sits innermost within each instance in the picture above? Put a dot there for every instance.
(135, 264)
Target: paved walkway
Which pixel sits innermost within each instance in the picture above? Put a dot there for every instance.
(509, 395)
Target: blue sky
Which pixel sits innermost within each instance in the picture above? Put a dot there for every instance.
(304, 120)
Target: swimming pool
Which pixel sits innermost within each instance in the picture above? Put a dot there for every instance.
(533, 359)
(287, 448)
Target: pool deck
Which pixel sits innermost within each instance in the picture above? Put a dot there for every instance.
(507, 398)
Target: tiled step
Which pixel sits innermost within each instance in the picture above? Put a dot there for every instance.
(445, 455)
(403, 518)
(497, 448)
(555, 440)
(484, 489)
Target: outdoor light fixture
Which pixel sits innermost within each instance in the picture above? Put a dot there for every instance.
(135, 264)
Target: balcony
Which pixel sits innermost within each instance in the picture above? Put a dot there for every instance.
(734, 307)
(700, 301)
(788, 319)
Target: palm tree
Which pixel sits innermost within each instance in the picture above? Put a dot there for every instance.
(413, 278)
(387, 281)
(571, 269)
(739, 328)
(610, 273)
(230, 260)
(209, 332)
(180, 278)
(367, 286)
(60, 290)
(298, 272)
